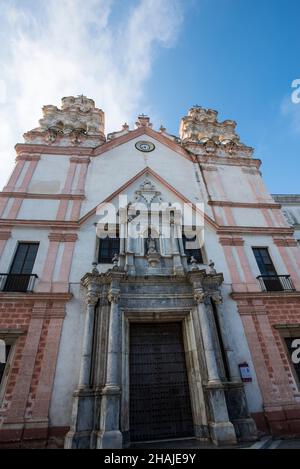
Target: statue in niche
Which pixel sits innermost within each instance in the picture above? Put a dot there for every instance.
(151, 245)
(153, 255)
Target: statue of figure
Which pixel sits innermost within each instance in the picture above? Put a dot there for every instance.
(151, 245)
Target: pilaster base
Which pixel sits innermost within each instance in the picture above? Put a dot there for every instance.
(245, 429)
(82, 420)
(222, 433)
(112, 439)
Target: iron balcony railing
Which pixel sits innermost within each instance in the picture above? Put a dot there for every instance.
(17, 282)
(276, 283)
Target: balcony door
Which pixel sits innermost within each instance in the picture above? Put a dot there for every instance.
(267, 270)
(20, 272)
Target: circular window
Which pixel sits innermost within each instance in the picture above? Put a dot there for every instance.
(144, 146)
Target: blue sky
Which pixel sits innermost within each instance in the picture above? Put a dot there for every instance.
(158, 57)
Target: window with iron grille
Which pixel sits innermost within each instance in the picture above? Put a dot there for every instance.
(192, 248)
(108, 248)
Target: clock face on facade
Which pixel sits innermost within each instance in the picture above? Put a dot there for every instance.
(144, 146)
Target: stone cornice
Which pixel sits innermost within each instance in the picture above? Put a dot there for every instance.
(56, 224)
(53, 150)
(231, 161)
(99, 150)
(35, 296)
(264, 295)
(263, 230)
(25, 195)
(74, 225)
(224, 203)
(28, 157)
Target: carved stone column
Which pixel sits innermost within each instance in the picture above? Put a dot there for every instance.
(207, 337)
(221, 429)
(229, 350)
(235, 390)
(84, 397)
(109, 435)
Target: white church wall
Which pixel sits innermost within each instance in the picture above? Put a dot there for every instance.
(38, 209)
(68, 363)
(49, 176)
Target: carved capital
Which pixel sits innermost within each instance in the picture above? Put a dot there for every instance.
(217, 297)
(199, 295)
(92, 298)
(113, 295)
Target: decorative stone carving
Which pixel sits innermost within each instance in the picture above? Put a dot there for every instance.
(91, 297)
(113, 295)
(115, 261)
(147, 193)
(217, 297)
(194, 264)
(201, 128)
(143, 121)
(212, 269)
(78, 120)
(199, 295)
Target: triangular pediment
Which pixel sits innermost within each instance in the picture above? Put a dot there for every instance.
(143, 133)
(147, 187)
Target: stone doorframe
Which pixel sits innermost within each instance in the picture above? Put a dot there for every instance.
(191, 337)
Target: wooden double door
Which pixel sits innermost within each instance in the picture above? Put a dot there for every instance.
(160, 406)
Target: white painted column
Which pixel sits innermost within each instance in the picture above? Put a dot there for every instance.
(109, 435)
(208, 344)
(229, 349)
(86, 356)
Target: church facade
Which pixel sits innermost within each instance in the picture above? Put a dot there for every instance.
(149, 287)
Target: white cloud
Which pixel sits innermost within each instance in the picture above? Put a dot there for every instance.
(56, 48)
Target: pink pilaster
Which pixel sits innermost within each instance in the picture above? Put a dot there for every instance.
(46, 378)
(67, 257)
(11, 184)
(258, 359)
(28, 175)
(251, 281)
(82, 176)
(3, 202)
(4, 236)
(62, 209)
(46, 279)
(267, 216)
(75, 213)
(15, 208)
(16, 412)
(283, 248)
(70, 176)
